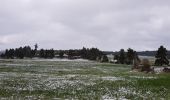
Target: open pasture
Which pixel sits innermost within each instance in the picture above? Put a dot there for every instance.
(79, 80)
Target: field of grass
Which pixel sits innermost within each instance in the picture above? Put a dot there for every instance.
(78, 80)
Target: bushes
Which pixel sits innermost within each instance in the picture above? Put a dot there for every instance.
(146, 66)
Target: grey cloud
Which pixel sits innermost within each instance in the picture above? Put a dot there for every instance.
(106, 24)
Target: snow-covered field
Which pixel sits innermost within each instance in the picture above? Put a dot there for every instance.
(77, 79)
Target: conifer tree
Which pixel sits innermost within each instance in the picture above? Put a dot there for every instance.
(161, 57)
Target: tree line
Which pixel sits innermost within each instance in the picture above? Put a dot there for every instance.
(28, 52)
(121, 57)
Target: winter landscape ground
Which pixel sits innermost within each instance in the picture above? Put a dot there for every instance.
(78, 80)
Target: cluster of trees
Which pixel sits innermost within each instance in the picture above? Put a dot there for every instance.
(27, 52)
(46, 53)
(73, 54)
(19, 53)
(91, 54)
(128, 57)
(85, 53)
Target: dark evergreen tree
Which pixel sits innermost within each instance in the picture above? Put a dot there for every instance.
(27, 51)
(36, 46)
(2, 55)
(7, 53)
(83, 53)
(51, 53)
(21, 53)
(17, 52)
(46, 54)
(34, 52)
(130, 56)
(11, 53)
(122, 56)
(42, 53)
(161, 57)
(61, 54)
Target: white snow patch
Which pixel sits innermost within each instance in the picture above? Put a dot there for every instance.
(111, 78)
(107, 97)
(158, 70)
(17, 64)
(57, 59)
(125, 90)
(143, 77)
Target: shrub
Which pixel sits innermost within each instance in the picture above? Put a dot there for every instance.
(146, 66)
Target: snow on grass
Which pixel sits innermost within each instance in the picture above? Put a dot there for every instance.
(107, 97)
(45, 81)
(112, 78)
(158, 70)
(125, 93)
(57, 59)
(16, 64)
(143, 77)
(69, 79)
(8, 74)
(34, 81)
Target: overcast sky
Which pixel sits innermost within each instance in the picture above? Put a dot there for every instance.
(105, 24)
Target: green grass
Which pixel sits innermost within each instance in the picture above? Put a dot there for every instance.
(84, 80)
